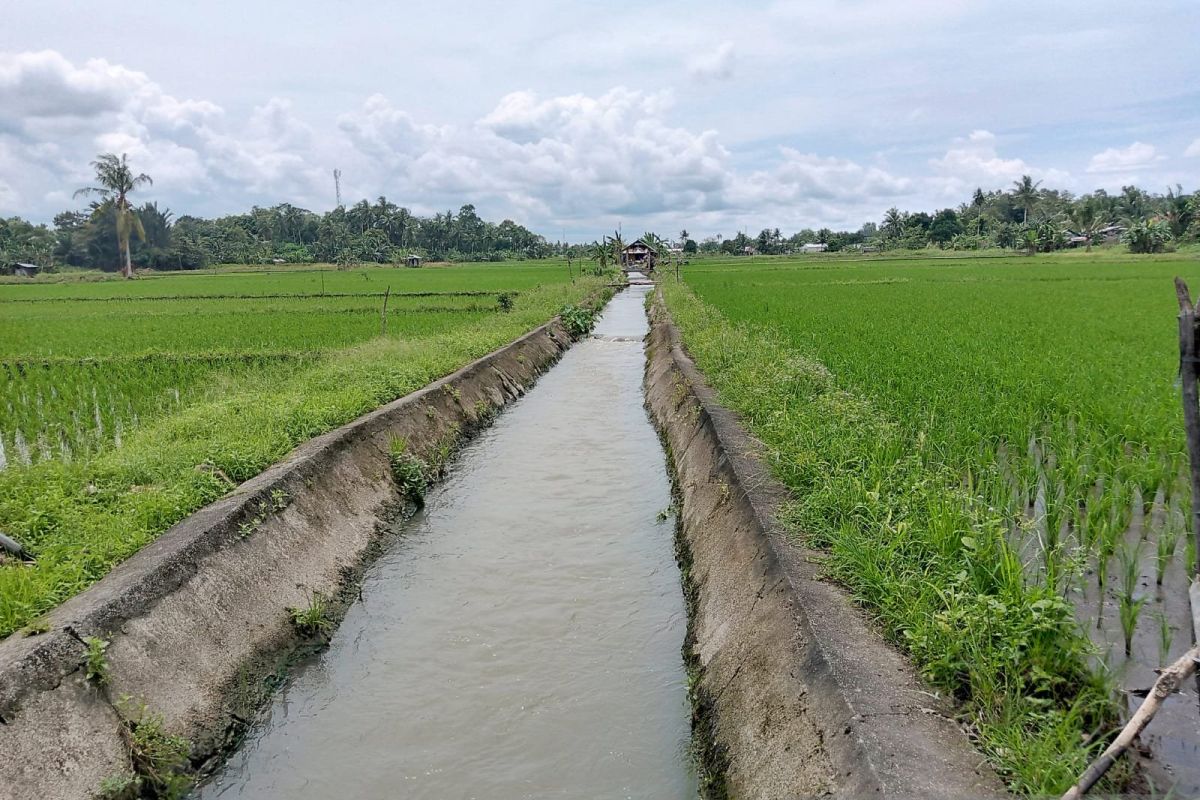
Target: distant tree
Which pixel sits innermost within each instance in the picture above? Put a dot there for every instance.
(1150, 236)
(116, 181)
(690, 247)
(1025, 193)
(945, 226)
(1179, 211)
(893, 224)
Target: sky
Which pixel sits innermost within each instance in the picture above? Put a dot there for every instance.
(574, 118)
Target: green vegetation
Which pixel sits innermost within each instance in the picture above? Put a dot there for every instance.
(967, 441)
(410, 472)
(577, 319)
(96, 663)
(159, 761)
(110, 438)
(313, 619)
(1027, 217)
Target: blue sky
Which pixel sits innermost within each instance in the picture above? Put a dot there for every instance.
(574, 117)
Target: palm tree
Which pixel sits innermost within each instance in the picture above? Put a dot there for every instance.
(1179, 211)
(116, 180)
(1025, 192)
(893, 223)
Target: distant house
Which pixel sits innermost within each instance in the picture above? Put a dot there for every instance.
(21, 269)
(413, 260)
(748, 250)
(638, 256)
(813, 247)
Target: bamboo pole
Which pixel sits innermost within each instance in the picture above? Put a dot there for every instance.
(1169, 681)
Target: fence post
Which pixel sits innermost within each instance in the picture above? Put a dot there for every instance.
(1191, 421)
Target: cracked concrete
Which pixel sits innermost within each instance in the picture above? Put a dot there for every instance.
(796, 693)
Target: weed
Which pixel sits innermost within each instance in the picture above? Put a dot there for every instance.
(314, 618)
(96, 661)
(123, 786)
(410, 472)
(577, 320)
(668, 512)
(506, 301)
(279, 499)
(159, 759)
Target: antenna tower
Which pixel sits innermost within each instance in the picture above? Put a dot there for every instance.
(337, 185)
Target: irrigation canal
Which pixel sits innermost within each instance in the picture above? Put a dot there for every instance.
(522, 637)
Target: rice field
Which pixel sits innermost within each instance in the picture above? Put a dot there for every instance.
(125, 405)
(991, 453)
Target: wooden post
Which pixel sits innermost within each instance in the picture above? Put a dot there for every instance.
(383, 315)
(1191, 422)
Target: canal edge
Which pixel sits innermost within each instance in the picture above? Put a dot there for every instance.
(794, 691)
(198, 624)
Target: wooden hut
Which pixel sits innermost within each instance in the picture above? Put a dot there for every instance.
(21, 269)
(638, 257)
(413, 260)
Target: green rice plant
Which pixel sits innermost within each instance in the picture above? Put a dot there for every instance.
(85, 514)
(1166, 635)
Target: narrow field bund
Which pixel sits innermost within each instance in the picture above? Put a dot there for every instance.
(191, 636)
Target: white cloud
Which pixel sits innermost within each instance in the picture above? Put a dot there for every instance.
(1193, 150)
(581, 160)
(1125, 159)
(715, 66)
(974, 161)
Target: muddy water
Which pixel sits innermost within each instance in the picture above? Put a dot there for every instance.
(522, 638)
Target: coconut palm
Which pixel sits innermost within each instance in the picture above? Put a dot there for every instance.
(1025, 192)
(893, 223)
(116, 181)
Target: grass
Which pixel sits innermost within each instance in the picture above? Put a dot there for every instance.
(965, 440)
(192, 426)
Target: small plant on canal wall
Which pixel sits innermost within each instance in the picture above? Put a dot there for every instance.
(313, 619)
(411, 473)
(159, 761)
(96, 665)
(577, 319)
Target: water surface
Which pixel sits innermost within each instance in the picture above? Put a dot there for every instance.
(522, 638)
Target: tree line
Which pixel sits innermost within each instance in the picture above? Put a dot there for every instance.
(112, 233)
(1026, 216)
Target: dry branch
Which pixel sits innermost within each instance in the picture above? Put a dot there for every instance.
(1169, 681)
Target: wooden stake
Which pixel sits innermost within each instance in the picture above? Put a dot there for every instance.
(1191, 401)
(383, 316)
(1169, 681)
